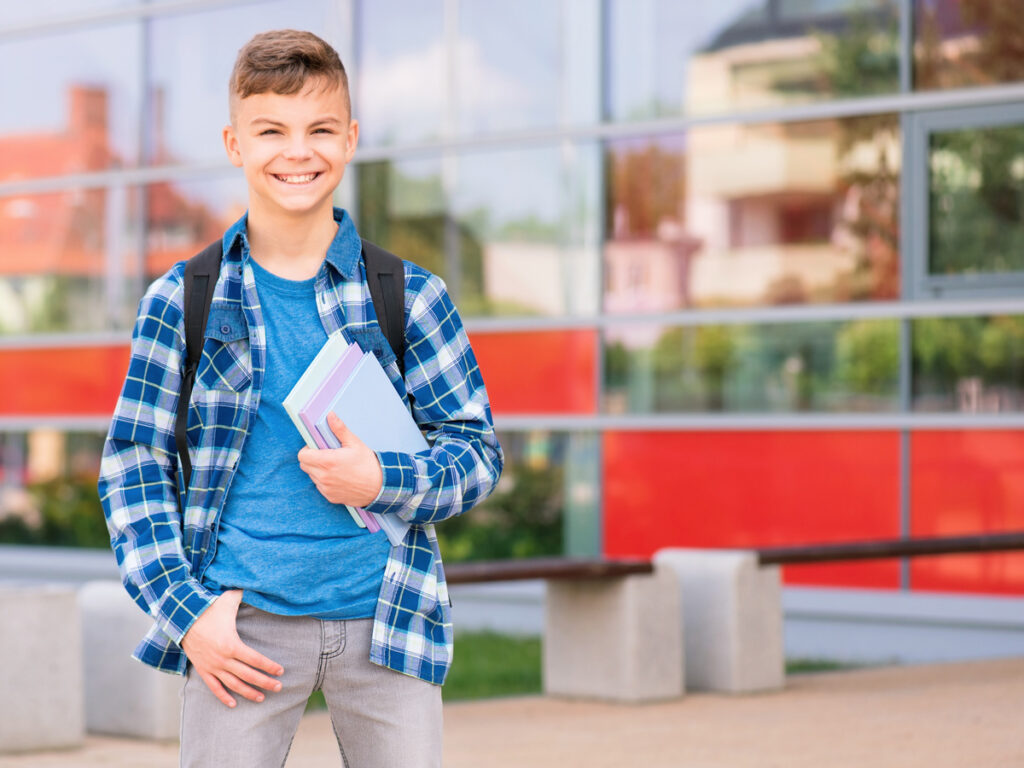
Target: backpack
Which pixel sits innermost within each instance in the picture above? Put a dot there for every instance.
(384, 274)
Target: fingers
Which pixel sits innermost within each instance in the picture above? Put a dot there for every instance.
(254, 677)
(240, 678)
(217, 689)
(239, 687)
(254, 658)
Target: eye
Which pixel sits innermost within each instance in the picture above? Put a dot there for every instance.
(268, 131)
(323, 130)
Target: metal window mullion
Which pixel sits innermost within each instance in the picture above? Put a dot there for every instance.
(661, 422)
(766, 316)
(906, 45)
(763, 422)
(906, 475)
(758, 316)
(71, 22)
(128, 176)
(148, 130)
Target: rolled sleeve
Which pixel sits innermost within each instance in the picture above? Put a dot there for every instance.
(449, 402)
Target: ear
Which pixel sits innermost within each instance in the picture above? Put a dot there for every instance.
(353, 140)
(231, 145)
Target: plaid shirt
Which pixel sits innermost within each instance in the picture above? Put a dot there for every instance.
(162, 554)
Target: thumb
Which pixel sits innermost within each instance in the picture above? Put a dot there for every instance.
(343, 433)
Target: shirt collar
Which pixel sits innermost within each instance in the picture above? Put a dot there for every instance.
(343, 253)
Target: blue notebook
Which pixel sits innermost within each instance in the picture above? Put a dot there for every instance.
(372, 409)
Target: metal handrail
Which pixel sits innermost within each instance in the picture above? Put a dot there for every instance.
(889, 548)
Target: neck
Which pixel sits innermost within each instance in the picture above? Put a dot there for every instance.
(288, 245)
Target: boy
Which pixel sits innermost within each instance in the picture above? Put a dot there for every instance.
(264, 589)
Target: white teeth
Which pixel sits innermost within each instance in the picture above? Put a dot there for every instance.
(306, 177)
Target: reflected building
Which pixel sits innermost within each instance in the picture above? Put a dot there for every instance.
(721, 295)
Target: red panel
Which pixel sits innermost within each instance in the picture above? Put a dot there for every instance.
(968, 482)
(754, 489)
(70, 381)
(539, 371)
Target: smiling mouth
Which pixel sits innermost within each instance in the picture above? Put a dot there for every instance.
(296, 178)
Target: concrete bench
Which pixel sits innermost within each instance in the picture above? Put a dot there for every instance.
(732, 615)
(612, 629)
(41, 677)
(122, 696)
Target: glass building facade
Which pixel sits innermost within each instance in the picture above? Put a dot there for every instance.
(738, 274)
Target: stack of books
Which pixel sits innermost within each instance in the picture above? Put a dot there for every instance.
(344, 380)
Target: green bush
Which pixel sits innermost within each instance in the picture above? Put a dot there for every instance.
(69, 515)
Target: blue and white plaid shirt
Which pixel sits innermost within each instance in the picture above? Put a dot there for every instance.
(162, 557)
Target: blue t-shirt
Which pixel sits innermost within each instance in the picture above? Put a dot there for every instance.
(292, 552)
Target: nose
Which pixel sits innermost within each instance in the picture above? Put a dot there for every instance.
(298, 149)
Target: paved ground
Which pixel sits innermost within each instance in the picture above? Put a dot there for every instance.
(964, 715)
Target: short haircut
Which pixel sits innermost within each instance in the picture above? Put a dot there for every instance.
(284, 61)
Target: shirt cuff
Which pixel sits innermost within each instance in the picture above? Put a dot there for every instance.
(399, 485)
(181, 606)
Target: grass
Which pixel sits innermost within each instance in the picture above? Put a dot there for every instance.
(810, 666)
(488, 665)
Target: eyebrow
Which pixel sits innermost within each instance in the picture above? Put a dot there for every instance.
(318, 121)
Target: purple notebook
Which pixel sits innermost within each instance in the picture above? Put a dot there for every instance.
(321, 400)
(333, 383)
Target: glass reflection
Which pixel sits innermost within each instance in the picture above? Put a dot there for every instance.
(78, 111)
(968, 364)
(68, 261)
(742, 54)
(529, 226)
(402, 70)
(959, 43)
(400, 206)
(189, 94)
(827, 366)
(48, 489)
(545, 503)
(976, 201)
(509, 65)
(741, 215)
(183, 217)
(41, 11)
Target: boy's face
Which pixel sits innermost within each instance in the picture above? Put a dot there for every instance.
(293, 148)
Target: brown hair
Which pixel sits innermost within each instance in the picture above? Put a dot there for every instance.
(283, 61)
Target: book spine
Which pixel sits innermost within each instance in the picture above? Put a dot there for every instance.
(307, 437)
(394, 526)
(369, 519)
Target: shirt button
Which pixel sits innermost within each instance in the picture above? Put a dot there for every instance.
(225, 329)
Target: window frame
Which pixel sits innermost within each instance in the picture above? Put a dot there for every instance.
(918, 128)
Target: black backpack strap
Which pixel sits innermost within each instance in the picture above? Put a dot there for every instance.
(385, 275)
(201, 273)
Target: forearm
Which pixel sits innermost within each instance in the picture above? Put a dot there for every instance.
(457, 474)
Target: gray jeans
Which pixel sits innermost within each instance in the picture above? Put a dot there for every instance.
(381, 718)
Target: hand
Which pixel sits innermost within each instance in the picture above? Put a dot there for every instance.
(221, 658)
(347, 475)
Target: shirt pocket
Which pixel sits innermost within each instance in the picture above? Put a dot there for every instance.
(226, 363)
(370, 339)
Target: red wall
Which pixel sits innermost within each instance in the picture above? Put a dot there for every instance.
(69, 381)
(539, 371)
(750, 489)
(965, 482)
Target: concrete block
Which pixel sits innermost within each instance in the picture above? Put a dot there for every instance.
(618, 639)
(41, 703)
(122, 696)
(732, 613)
